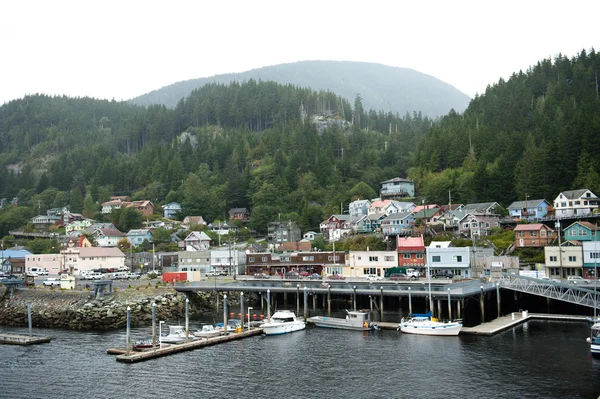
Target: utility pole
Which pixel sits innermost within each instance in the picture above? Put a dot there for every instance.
(559, 249)
(153, 257)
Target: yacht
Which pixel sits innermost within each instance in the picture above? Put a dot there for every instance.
(282, 322)
(424, 324)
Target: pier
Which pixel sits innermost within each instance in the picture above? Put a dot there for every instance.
(169, 349)
(14, 339)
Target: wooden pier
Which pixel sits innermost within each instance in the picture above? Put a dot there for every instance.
(513, 319)
(170, 349)
(14, 339)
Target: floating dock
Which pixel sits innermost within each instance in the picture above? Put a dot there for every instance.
(14, 339)
(513, 319)
(165, 350)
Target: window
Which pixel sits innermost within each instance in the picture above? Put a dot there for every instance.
(543, 233)
(373, 258)
(521, 234)
(308, 258)
(457, 258)
(552, 258)
(533, 233)
(251, 260)
(436, 258)
(572, 258)
(419, 256)
(388, 258)
(264, 259)
(406, 256)
(466, 225)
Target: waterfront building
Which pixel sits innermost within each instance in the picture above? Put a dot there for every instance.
(568, 257)
(363, 263)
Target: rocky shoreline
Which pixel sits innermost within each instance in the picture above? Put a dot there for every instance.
(81, 310)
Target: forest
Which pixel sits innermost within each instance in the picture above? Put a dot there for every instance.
(255, 145)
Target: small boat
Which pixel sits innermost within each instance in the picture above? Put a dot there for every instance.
(594, 339)
(232, 325)
(282, 322)
(424, 324)
(355, 320)
(176, 336)
(208, 331)
(143, 345)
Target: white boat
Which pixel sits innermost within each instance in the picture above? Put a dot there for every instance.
(208, 331)
(176, 336)
(355, 320)
(282, 322)
(232, 326)
(424, 324)
(594, 339)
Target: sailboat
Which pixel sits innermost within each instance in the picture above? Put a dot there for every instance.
(426, 324)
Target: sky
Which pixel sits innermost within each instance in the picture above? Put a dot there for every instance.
(122, 49)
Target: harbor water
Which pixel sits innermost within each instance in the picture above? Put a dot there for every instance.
(539, 359)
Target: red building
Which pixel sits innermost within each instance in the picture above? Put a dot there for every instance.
(411, 252)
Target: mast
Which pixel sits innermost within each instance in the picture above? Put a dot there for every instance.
(429, 289)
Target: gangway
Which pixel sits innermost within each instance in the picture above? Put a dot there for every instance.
(585, 295)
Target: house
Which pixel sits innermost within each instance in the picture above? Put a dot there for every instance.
(383, 207)
(363, 263)
(575, 203)
(50, 262)
(478, 224)
(197, 241)
(309, 262)
(171, 210)
(280, 232)
(397, 224)
(114, 203)
(397, 188)
(427, 216)
(193, 220)
(45, 220)
(222, 228)
(108, 237)
(358, 207)
(582, 231)
(530, 210)
(68, 217)
(534, 235)
(13, 261)
(411, 252)
(96, 226)
(98, 258)
(232, 261)
(591, 259)
(355, 224)
(310, 235)
(144, 206)
(373, 222)
(331, 227)
(488, 208)
(239, 214)
(137, 236)
(456, 260)
(191, 261)
(78, 226)
(564, 260)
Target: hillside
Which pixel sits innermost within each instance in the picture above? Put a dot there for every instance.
(399, 90)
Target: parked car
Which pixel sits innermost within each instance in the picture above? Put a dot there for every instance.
(261, 275)
(315, 276)
(51, 282)
(292, 275)
(336, 277)
(374, 277)
(443, 274)
(304, 274)
(212, 273)
(130, 276)
(398, 276)
(577, 280)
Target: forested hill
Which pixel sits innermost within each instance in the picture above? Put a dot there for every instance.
(536, 134)
(253, 145)
(399, 90)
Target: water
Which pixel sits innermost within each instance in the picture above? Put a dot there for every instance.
(540, 359)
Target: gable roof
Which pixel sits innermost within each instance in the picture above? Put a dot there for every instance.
(440, 244)
(138, 232)
(587, 225)
(575, 194)
(425, 213)
(397, 179)
(531, 227)
(529, 203)
(198, 235)
(111, 232)
(482, 206)
(399, 216)
(410, 242)
(14, 254)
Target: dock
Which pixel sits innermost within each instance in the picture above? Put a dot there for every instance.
(513, 319)
(14, 339)
(170, 349)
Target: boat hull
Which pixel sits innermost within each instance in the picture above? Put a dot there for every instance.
(211, 334)
(430, 328)
(595, 349)
(342, 324)
(282, 328)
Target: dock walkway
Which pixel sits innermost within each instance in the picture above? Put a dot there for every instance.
(14, 339)
(166, 350)
(513, 319)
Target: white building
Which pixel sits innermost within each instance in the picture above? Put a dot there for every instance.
(456, 260)
(575, 203)
(232, 261)
(363, 263)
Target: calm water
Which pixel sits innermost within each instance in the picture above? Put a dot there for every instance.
(536, 360)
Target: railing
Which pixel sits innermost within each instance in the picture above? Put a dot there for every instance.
(585, 295)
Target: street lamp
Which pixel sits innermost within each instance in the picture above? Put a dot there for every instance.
(249, 311)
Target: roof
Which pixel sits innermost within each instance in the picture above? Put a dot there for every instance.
(531, 226)
(419, 208)
(112, 232)
(440, 244)
(236, 210)
(425, 213)
(195, 219)
(380, 203)
(14, 253)
(397, 179)
(87, 252)
(574, 194)
(399, 215)
(480, 206)
(410, 242)
(588, 225)
(172, 205)
(139, 232)
(528, 203)
(198, 235)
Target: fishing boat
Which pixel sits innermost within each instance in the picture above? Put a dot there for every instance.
(208, 331)
(594, 339)
(176, 335)
(425, 324)
(282, 322)
(355, 320)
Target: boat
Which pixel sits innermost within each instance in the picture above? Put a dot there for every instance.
(208, 331)
(425, 324)
(282, 322)
(594, 339)
(176, 336)
(143, 345)
(355, 320)
(232, 325)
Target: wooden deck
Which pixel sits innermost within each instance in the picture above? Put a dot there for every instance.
(14, 339)
(505, 322)
(166, 350)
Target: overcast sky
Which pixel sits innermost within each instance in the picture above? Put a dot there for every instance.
(122, 49)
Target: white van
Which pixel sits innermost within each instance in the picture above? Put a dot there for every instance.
(37, 271)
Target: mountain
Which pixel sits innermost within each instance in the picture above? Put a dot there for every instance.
(381, 87)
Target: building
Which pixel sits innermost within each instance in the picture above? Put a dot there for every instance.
(239, 214)
(12, 261)
(568, 257)
(488, 208)
(305, 262)
(98, 258)
(192, 261)
(108, 237)
(581, 231)
(575, 203)
(138, 236)
(363, 263)
(456, 260)
(193, 220)
(535, 235)
(478, 224)
(171, 210)
(411, 253)
(51, 262)
(398, 224)
(397, 188)
(530, 210)
(197, 241)
(310, 235)
(228, 261)
(281, 232)
(591, 259)
(358, 207)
